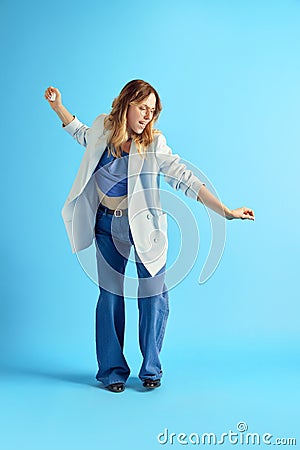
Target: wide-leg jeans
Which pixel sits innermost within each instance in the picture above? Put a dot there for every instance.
(114, 243)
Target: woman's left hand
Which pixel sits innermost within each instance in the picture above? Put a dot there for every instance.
(241, 213)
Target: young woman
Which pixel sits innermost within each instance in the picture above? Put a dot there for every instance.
(115, 201)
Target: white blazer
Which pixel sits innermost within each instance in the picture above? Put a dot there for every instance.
(147, 220)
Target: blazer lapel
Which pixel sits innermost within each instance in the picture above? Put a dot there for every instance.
(135, 165)
(136, 200)
(100, 146)
(88, 166)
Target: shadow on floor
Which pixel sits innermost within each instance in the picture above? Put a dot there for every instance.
(81, 378)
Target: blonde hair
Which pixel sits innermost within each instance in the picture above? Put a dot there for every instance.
(134, 93)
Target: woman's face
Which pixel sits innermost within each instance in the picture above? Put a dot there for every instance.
(138, 116)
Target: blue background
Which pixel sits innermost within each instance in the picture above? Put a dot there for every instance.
(228, 76)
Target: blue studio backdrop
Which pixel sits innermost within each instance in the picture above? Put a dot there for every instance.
(228, 75)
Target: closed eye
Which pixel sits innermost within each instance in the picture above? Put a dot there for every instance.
(144, 107)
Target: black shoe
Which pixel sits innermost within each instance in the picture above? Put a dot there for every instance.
(116, 387)
(151, 384)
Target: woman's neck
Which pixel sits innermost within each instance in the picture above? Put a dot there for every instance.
(126, 146)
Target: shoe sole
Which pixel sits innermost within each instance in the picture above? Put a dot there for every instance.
(116, 388)
(147, 384)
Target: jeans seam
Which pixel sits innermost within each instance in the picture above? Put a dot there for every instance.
(162, 331)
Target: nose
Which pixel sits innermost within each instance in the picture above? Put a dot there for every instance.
(147, 114)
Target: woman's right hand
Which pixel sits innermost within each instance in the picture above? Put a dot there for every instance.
(57, 103)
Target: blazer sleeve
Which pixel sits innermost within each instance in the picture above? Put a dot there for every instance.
(176, 174)
(78, 131)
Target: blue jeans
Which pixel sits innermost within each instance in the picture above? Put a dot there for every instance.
(114, 242)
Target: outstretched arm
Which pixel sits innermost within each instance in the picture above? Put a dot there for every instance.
(179, 177)
(65, 116)
(209, 200)
(70, 123)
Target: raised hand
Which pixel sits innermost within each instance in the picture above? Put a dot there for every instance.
(53, 96)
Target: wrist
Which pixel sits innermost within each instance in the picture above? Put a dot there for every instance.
(228, 213)
(58, 108)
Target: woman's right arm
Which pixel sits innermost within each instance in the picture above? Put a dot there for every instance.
(73, 126)
(57, 106)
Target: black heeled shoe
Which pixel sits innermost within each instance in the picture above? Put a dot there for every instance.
(116, 387)
(151, 384)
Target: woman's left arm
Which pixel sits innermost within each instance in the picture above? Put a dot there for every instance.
(209, 200)
(179, 177)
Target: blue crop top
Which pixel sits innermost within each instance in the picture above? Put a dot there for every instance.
(111, 174)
